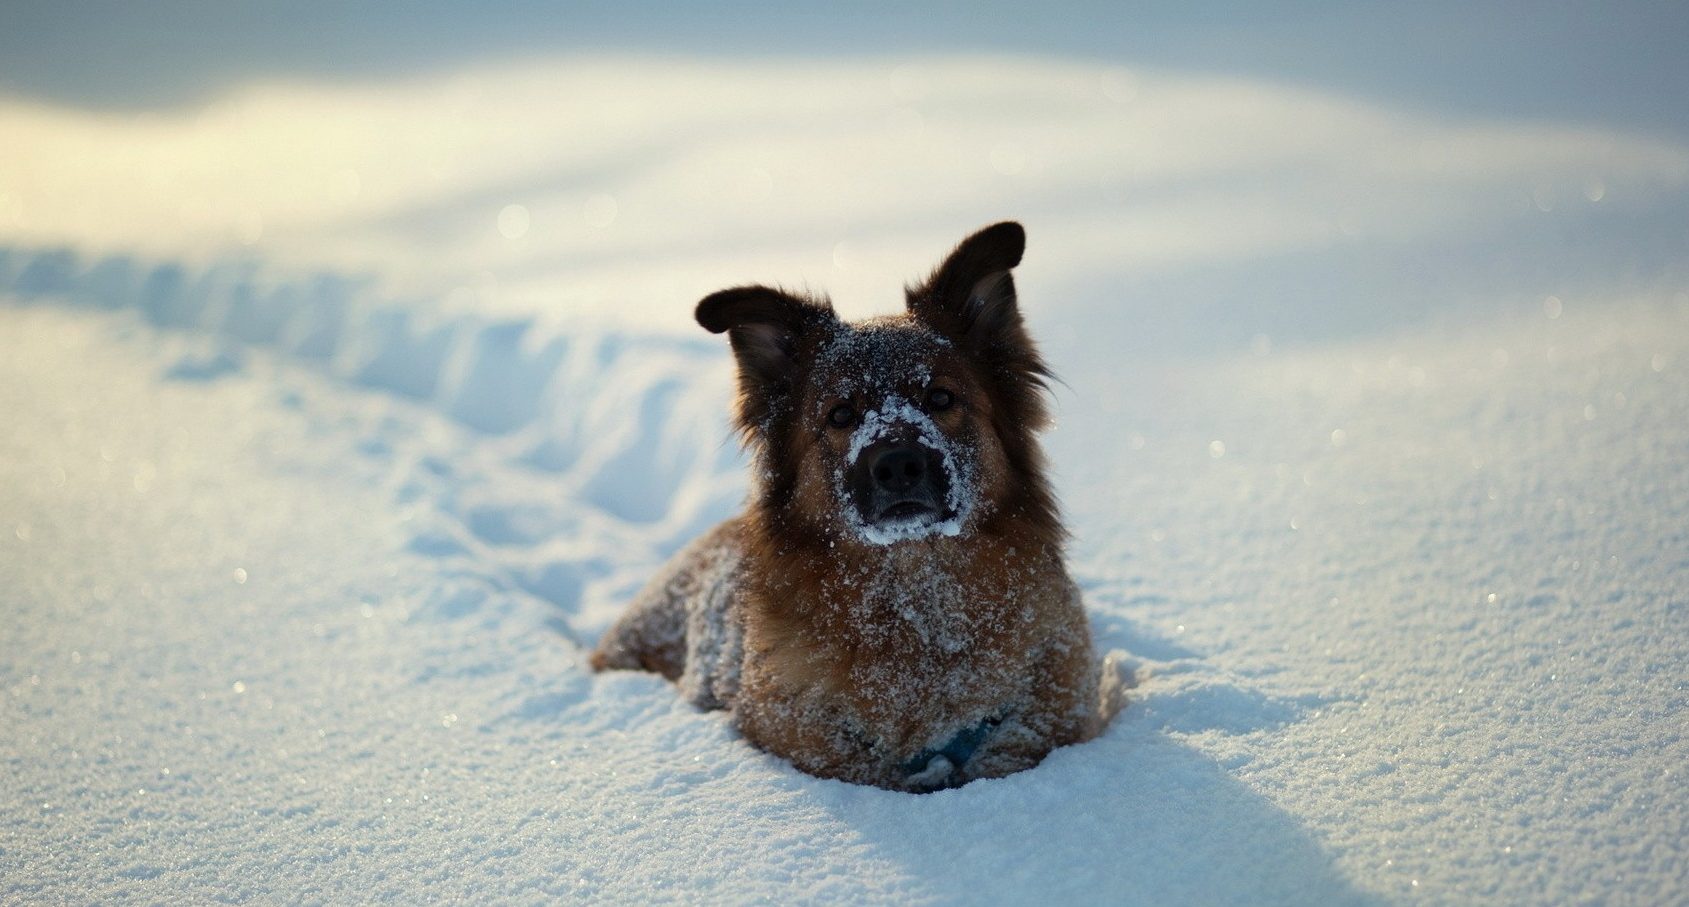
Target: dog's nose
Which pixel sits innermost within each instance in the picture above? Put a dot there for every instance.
(898, 469)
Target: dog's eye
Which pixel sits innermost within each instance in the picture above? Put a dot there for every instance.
(842, 416)
(939, 399)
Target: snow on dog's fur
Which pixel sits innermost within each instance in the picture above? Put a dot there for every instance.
(892, 606)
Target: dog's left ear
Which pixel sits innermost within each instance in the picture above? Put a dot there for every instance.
(971, 300)
(971, 297)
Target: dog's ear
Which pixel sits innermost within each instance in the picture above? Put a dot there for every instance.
(971, 300)
(768, 328)
(971, 297)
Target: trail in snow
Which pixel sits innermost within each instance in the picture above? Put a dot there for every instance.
(622, 447)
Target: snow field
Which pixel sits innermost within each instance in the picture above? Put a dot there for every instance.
(1371, 437)
(337, 577)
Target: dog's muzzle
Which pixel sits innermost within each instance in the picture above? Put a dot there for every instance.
(900, 482)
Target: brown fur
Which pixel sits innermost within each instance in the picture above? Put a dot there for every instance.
(857, 660)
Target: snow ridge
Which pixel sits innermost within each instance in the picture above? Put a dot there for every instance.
(588, 457)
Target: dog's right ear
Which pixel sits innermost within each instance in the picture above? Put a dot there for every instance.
(766, 327)
(971, 297)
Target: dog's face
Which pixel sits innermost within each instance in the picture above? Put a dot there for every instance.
(895, 429)
(900, 442)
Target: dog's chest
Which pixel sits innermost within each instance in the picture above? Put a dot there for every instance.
(920, 605)
(910, 629)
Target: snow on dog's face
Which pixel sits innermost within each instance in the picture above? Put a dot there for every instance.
(895, 444)
(897, 429)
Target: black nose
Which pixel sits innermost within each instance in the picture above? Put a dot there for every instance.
(898, 469)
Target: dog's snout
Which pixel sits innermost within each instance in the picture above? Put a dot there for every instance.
(899, 469)
(899, 480)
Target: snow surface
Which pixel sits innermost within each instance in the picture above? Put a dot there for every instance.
(298, 574)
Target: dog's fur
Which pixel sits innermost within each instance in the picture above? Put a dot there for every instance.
(853, 638)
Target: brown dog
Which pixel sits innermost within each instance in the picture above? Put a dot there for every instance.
(892, 607)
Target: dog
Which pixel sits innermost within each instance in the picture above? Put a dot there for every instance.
(892, 607)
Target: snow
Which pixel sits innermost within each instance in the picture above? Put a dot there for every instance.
(300, 568)
(898, 414)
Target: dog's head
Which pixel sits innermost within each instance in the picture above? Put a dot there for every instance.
(898, 428)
